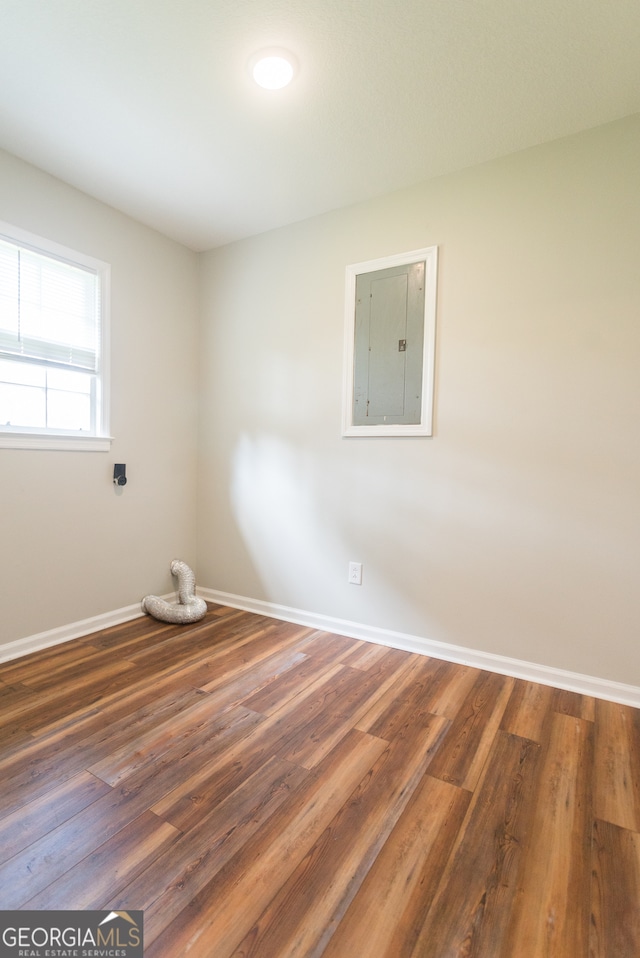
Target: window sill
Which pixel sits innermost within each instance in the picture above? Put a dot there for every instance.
(19, 440)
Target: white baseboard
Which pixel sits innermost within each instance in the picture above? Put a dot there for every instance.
(518, 668)
(75, 630)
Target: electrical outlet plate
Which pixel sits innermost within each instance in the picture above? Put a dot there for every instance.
(355, 573)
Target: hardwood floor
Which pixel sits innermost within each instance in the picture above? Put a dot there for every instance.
(262, 789)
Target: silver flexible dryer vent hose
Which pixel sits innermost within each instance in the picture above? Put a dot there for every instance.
(189, 608)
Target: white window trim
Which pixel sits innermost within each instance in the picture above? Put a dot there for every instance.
(21, 440)
(34, 439)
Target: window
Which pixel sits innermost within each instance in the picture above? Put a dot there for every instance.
(53, 336)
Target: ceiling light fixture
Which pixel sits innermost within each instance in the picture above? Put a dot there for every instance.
(273, 69)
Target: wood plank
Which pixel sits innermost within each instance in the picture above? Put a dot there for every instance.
(97, 880)
(528, 710)
(125, 634)
(210, 633)
(470, 911)
(75, 667)
(341, 708)
(123, 718)
(144, 629)
(148, 633)
(298, 921)
(174, 773)
(452, 686)
(390, 908)
(231, 655)
(249, 681)
(46, 706)
(53, 757)
(412, 692)
(573, 703)
(34, 819)
(405, 677)
(551, 909)
(40, 663)
(237, 655)
(165, 889)
(46, 859)
(617, 757)
(365, 656)
(13, 739)
(140, 695)
(269, 699)
(197, 792)
(183, 733)
(224, 911)
(461, 758)
(318, 642)
(615, 917)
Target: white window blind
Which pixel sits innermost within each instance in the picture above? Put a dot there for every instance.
(49, 309)
(52, 341)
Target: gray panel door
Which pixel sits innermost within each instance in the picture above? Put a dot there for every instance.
(389, 340)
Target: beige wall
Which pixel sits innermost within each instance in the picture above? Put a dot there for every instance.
(516, 529)
(72, 546)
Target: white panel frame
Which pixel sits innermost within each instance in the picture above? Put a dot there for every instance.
(428, 256)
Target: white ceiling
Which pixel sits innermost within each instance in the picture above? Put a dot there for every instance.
(148, 104)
